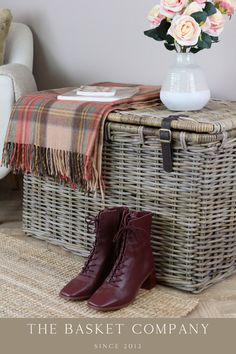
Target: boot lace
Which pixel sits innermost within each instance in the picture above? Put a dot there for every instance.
(92, 227)
(120, 239)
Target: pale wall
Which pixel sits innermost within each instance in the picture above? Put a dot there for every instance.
(84, 41)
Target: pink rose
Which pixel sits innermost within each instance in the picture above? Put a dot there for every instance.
(185, 30)
(192, 7)
(206, 25)
(226, 7)
(155, 17)
(196, 7)
(170, 8)
(216, 25)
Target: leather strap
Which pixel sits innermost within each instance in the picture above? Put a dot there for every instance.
(166, 142)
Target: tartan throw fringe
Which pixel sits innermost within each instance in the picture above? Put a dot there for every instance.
(64, 139)
(66, 166)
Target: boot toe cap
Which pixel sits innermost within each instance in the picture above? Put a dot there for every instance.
(105, 299)
(76, 289)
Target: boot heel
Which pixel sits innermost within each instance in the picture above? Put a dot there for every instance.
(150, 282)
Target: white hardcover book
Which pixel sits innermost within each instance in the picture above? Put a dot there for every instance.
(96, 91)
(105, 91)
(72, 96)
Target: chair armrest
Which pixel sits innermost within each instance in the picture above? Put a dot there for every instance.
(23, 81)
(7, 98)
(15, 80)
(19, 45)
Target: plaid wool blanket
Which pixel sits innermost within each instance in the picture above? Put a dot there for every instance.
(64, 139)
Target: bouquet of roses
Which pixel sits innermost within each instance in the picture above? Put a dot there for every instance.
(189, 26)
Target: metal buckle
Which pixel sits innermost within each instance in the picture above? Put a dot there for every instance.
(165, 140)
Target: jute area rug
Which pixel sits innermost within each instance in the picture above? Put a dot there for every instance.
(31, 277)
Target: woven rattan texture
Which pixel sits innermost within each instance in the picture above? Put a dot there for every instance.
(217, 117)
(194, 207)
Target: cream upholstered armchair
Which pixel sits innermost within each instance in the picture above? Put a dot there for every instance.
(19, 50)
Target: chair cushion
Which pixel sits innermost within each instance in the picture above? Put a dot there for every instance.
(5, 22)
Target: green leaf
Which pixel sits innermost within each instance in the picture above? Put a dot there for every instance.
(159, 33)
(206, 37)
(163, 28)
(204, 41)
(153, 33)
(199, 16)
(170, 39)
(210, 9)
(169, 46)
(195, 50)
(214, 39)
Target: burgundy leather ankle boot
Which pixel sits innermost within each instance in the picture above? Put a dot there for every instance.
(134, 267)
(101, 259)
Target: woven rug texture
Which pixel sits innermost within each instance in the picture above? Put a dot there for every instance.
(31, 277)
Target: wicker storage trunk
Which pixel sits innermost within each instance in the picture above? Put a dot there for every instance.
(194, 207)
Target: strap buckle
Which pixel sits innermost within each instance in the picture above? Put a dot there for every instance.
(164, 139)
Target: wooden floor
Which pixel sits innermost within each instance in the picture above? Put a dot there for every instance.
(219, 301)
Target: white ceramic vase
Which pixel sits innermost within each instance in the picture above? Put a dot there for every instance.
(185, 87)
